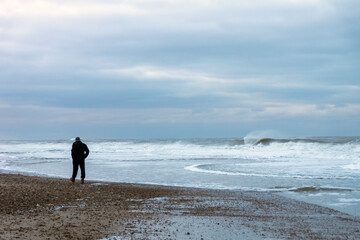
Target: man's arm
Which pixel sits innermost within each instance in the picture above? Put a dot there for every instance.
(72, 152)
(87, 151)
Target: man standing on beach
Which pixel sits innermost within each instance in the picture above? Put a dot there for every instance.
(79, 152)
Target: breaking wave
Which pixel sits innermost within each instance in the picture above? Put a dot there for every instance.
(312, 189)
(267, 140)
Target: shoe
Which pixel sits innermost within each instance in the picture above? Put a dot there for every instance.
(82, 181)
(72, 179)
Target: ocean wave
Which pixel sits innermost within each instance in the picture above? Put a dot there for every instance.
(313, 189)
(197, 168)
(231, 170)
(266, 141)
(321, 140)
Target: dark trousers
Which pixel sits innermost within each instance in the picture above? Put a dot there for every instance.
(76, 164)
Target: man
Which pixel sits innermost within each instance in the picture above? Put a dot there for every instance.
(79, 152)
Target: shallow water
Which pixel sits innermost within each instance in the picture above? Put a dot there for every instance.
(325, 171)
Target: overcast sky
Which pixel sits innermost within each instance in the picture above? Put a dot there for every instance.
(178, 68)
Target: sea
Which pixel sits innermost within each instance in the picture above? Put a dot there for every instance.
(319, 170)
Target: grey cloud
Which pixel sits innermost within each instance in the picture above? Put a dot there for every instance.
(298, 52)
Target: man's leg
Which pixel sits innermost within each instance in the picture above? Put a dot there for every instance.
(82, 167)
(75, 170)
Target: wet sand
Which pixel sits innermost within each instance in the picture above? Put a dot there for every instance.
(52, 208)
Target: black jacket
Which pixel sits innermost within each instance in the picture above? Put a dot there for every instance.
(79, 151)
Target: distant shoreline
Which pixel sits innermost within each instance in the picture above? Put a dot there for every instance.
(40, 208)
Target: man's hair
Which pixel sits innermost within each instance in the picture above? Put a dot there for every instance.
(77, 139)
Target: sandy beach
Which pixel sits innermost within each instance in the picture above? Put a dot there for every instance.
(52, 208)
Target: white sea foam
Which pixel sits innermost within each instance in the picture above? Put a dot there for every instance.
(197, 168)
(349, 200)
(355, 166)
(115, 238)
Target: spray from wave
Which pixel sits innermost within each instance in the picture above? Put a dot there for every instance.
(264, 136)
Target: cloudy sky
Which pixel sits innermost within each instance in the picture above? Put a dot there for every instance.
(178, 68)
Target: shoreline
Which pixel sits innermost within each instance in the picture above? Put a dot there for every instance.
(54, 208)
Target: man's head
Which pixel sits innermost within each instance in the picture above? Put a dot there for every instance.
(77, 139)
